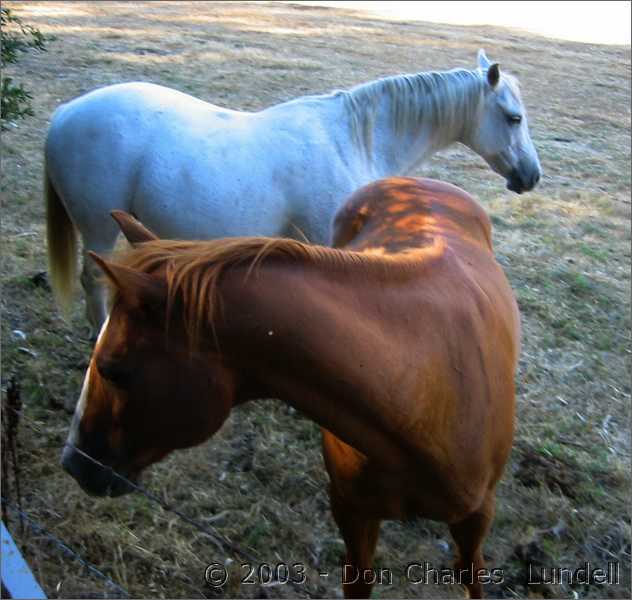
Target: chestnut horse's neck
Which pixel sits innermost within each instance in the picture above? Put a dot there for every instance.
(327, 341)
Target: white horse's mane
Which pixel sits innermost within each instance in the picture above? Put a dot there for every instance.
(442, 100)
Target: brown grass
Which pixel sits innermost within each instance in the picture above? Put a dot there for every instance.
(261, 482)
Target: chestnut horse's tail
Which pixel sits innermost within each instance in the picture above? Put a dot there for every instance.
(62, 247)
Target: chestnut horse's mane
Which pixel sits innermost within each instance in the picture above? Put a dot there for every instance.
(193, 268)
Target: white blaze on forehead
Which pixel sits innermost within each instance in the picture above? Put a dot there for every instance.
(103, 328)
(73, 434)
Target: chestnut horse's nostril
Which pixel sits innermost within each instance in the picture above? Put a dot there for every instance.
(92, 478)
(78, 466)
(69, 462)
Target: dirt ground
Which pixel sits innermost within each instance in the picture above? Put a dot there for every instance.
(564, 500)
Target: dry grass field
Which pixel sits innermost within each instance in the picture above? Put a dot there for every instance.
(565, 497)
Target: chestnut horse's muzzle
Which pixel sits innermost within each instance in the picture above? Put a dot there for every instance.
(94, 479)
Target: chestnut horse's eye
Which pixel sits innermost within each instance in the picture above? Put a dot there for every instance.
(115, 371)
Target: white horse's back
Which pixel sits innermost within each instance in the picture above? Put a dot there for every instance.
(186, 168)
(98, 144)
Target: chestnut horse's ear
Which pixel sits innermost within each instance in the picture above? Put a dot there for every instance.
(137, 289)
(132, 228)
(493, 75)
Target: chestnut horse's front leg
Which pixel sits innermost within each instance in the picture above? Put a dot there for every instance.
(360, 535)
(345, 466)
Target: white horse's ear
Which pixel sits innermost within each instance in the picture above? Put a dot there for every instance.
(493, 75)
(133, 230)
(483, 61)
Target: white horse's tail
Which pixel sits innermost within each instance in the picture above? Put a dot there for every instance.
(62, 247)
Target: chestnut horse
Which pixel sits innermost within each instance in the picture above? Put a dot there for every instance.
(402, 346)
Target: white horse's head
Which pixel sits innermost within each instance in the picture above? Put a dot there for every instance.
(501, 134)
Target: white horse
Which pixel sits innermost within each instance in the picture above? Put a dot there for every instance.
(191, 170)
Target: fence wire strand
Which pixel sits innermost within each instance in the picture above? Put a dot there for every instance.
(221, 542)
(66, 549)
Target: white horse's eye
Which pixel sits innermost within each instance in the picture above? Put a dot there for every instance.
(514, 119)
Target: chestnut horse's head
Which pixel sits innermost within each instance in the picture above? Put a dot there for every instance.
(144, 395)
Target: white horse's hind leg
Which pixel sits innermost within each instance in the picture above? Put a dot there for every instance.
(95, 293)
(95, 296)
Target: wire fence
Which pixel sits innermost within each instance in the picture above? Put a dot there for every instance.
(221, 542)
(35, 526)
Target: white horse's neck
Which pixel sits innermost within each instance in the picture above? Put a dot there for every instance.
(398, 121)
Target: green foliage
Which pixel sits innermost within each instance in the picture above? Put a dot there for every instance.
(16, 101)
(17, 37)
